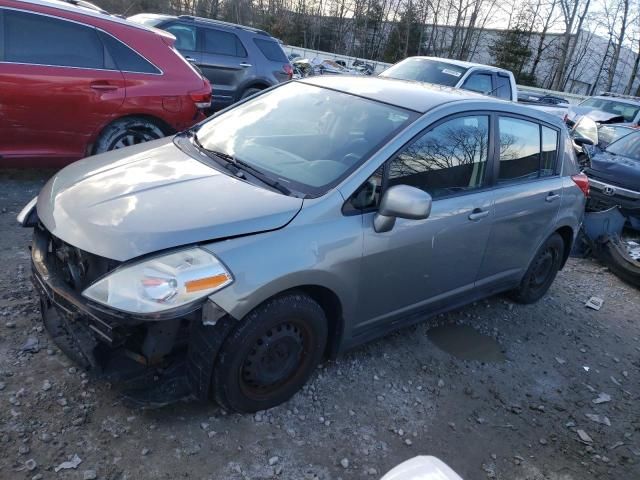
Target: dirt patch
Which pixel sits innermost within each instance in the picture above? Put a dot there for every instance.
(525, 417)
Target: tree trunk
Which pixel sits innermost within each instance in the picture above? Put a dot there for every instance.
(604, 59)
(634, 73)
(616, 52)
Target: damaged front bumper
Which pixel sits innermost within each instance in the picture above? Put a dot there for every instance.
(146, 355)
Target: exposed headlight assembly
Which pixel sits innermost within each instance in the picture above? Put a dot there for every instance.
(161, 283)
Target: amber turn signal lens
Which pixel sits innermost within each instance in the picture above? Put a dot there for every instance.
(206, 283)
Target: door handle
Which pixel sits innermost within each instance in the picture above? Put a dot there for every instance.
(552, 196)
(477, 214)
(189, 59)
(246, 65)
(103, 86)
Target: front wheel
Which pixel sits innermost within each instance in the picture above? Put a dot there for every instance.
(541, 272)
(126, 132)
(271, 354)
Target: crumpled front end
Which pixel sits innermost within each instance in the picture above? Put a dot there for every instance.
(145, 355)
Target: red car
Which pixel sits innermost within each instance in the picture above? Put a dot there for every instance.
(75, 81)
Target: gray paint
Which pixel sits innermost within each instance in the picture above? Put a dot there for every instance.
(121, 205)
(135, 201)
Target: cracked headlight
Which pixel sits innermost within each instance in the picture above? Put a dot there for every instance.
(161, 283)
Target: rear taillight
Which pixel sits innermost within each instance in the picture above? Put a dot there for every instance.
(201, 99)
(582, 181)
(288, 69)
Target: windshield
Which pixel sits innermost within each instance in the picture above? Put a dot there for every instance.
(426, 70)
(304, 137)
(628, 146)
(608, 134)
(627, 110)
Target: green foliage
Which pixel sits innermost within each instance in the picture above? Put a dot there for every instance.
(404, 38)
(511, 51)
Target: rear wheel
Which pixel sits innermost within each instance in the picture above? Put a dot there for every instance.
(541, 272)
(249, 91)
(622, 255)
(271, 354)
(127, 132)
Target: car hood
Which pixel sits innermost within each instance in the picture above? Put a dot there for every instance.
(146, 198)
(618, 169)
(597, 116)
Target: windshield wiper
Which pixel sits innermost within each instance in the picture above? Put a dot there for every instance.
(230, 162)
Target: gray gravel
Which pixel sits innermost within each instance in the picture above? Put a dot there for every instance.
(533, 416)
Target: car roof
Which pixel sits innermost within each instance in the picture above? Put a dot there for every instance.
(630, 101)
(87, 11)
(463, 64)
(203, 20)
(417, 96)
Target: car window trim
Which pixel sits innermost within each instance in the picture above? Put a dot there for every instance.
(55, 17)
(488, 173)
(540, 123)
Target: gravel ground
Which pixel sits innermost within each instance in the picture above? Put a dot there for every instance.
(533, 415)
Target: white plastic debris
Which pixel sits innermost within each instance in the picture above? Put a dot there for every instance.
(602, 398)
(594, 303)
(584, 436)
(598, 419)
(73, 463)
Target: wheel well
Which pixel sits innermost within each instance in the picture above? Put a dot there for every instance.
(161, 124)
(332, 307)
(259, 85)
(567, 237)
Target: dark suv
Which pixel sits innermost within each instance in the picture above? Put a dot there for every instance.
(238, 61)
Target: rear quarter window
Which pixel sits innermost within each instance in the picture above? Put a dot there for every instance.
(125, 58)
(271, 50)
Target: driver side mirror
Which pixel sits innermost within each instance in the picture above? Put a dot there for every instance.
(401, 201)
(582, 141)
(587, 149)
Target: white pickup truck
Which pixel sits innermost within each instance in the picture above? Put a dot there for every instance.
(476, 77)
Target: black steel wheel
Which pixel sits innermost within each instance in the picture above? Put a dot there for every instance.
(541, 272)
(271, 354)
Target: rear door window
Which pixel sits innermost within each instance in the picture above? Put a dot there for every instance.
(479, 82)
(125, 58)
(520, 153)
(450, 158)
(43, 40)
(503, 88)
(271, 50)
(218, 42)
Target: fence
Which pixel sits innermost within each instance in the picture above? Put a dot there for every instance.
(573, 98)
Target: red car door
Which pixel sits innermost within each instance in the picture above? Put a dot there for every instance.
(58, 87)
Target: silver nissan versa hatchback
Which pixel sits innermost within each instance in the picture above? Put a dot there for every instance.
(231, 259)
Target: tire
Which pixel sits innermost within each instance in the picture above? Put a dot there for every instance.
(613, 253)
(270, 355)
(126, 132)
(249, 91)
(541, 272)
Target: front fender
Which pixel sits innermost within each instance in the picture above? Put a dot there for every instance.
(324, 252)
